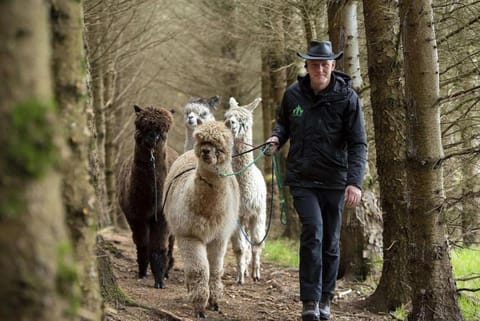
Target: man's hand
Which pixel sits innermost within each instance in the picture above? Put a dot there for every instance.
(353, 196)
(272, 148)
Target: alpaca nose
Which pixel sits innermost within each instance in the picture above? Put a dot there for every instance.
(152, 137)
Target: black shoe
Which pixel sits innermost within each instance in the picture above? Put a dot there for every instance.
(310, 311)
(324, 309)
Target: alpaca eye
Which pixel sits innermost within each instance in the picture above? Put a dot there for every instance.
(203, 114)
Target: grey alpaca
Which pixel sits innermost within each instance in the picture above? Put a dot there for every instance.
(136, 189)
(195, 112)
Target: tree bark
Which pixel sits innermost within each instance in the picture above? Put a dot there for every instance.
(273, 86)
(360, 237)
(335, 27)
(78, 193)
(388, 105)
(95, 41)
(38, 277)
(351, 54)
(434, 294)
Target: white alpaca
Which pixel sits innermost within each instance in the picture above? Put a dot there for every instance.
(253, 191)
(197, 111)
(201, 209)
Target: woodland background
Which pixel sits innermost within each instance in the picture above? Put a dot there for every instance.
(72, 70)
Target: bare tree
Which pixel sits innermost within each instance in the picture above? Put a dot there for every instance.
(387, 98)
(433, 289)
(460, 97)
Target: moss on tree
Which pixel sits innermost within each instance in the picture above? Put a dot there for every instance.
(29, 151)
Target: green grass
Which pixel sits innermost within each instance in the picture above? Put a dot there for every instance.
(466, 264)
(282, 251)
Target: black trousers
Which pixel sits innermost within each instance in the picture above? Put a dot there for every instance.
(320, 212)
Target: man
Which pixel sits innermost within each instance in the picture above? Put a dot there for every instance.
(321, 115)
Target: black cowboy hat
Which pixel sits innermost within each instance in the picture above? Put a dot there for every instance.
(320, 50)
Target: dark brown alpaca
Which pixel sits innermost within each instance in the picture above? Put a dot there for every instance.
(140, 199)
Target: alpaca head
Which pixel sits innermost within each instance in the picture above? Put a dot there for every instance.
(152, 126)
(240, 118)
(199, 110)
(213, 143)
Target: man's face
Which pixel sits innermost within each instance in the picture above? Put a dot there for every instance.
(320, 72)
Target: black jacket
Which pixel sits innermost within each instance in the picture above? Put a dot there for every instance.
(328, 144)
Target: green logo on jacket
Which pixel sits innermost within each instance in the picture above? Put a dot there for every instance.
(298, 111)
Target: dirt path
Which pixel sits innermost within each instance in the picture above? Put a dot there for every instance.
(273, 298)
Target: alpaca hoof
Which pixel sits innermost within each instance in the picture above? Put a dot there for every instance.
(256, 279)
(200, 315)
(159, 285)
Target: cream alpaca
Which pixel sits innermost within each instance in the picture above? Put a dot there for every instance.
(253, 191)
(201, 208)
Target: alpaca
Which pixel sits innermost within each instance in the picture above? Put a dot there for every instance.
(253, 191)
(140, 176)
(197, 111)
(201, 208)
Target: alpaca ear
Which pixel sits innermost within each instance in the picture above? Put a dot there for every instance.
(137, 108)
(192, 99)
(232, 102)
(254, 104)
(213, 102)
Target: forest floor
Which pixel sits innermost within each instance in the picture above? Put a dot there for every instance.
(274, 298)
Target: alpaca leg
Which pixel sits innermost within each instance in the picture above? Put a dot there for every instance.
(216, 253)
(257, 228)
(140, 234)
(240, 249)
(196, 271)
(159, 236)
(171, 259)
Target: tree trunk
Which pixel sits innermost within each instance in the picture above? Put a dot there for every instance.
(273, 86)
(388, 105)
(360, 237)
(78, 194)
(95, 34)
(38, 277)
(110, 290)
(434, 294)
(351, 54)
(111, 146)
(308, 13)
(335, 27)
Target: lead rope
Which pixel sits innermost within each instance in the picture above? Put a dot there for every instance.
(155, 192)
(283, 205)
(276, 173)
